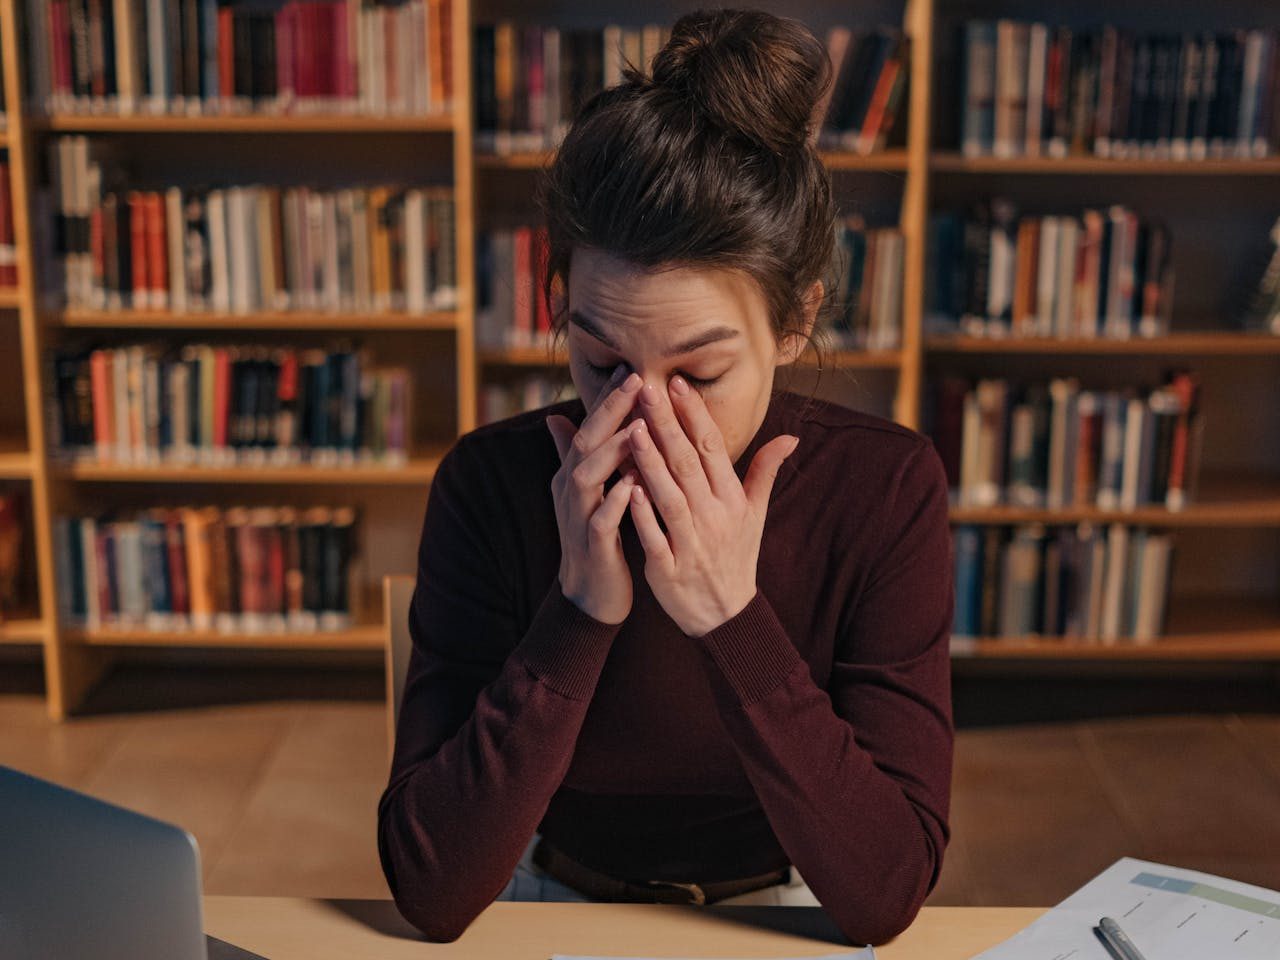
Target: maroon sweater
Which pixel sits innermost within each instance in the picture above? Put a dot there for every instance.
(813, 728)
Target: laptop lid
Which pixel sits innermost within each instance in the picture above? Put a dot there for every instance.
(83, 878)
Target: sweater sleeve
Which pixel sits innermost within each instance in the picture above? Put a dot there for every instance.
(855, 779)
(489, 718)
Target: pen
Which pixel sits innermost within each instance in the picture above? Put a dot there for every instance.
(1118, 940)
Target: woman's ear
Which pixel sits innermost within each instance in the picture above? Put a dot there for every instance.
(793, 344)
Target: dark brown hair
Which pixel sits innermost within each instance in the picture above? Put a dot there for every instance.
(710, 161)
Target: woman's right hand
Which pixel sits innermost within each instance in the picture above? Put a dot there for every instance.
(593, 571)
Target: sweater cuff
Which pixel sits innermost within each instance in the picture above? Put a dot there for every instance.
(565, 647)
(752, 650)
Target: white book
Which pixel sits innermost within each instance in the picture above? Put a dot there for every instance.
(157, 55)
(120, 402)
(551, 80)
(887, 292)
(1037, 56)
(992, 397)
(329, 228)
(971, 427)
(415, 252)
(418, 60)
(1046, 278)
(219, 268)
(1064, 283)
(1113, 590)
(406, 27)
(378, 57)
(1002, 273)
(1153, 589)
(1134, 438)
(175, 233)
(238, 249)
(313, 230)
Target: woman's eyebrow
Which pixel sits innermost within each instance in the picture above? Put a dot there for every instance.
(713, 335)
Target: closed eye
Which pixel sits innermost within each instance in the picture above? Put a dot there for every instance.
(604, 373)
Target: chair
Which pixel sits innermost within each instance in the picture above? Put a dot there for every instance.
(397, 594)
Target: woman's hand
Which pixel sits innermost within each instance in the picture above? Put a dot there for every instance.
(593, 571)
(703, 569)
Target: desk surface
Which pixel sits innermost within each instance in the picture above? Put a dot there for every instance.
(296, 929)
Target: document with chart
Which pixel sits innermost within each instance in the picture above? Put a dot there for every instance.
(1168, 913)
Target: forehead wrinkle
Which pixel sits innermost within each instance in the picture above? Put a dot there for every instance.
(718, 334)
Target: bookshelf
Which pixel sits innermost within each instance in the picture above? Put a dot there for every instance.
(1228, 614)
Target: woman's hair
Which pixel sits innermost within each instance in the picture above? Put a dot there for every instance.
(710, 161)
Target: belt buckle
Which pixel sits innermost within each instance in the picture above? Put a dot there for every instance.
(699, 898)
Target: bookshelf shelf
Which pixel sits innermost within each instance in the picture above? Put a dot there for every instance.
(15, 462)
(22, 630)
(1227, 343)
(887, 160)
(360, 637)
(538, 357)
(245, 123)
(419, 470)
(1203, 629)
(1225, 501)
(943, 162)
(273, 320)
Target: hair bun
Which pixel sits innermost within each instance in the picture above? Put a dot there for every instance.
(751, 73)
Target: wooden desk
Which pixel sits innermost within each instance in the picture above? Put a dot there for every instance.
(294, 929)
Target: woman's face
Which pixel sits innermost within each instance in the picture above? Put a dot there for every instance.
(710, 326)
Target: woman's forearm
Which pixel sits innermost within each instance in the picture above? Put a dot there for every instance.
(459, 811)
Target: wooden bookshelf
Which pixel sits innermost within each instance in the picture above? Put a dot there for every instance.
(350, 321)
(264, 123)
(418, 471)
(1207, 343)
(944, 162)
(1217, 628)
(22, 631)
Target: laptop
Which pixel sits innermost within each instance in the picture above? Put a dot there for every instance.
(83, 878)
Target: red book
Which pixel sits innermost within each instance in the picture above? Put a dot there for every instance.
(138, 250)
(104, 434)
(177, 556)
(226, 55)
(304, 50)
(221, 396)
(275, 569)
(875, 110)
(8, 252)
(523, 255)
(542, 251)
(60, 27)
(157, 251)
(250, 557)
(106, 574)
(341, 52)
(1088, 452)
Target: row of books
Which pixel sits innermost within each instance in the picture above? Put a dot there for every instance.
(867, 302)
(214, 404)
(1107, 273)
(248, 248)
(8, 242)
(259, 570)
(511, 310)
(205, 57)
(499, 400)
(868, 90)
(1100, 584)
(1060, 446)
(529, 79)
(1030, 89)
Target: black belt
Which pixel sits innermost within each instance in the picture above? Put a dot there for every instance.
(601, 886)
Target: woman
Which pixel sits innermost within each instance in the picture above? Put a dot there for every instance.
(688, 631)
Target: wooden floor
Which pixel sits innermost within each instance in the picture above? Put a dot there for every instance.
(278, 780)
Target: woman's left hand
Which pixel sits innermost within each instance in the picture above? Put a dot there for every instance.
(703, 569)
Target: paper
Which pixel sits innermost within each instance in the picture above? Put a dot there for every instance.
(866, 953)
(1169, 914)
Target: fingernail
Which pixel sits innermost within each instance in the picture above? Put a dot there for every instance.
(650, 394)
(630, 477)
(616, 376)
(679, 387)
(631, 384)
(640, 436)
(795, 442)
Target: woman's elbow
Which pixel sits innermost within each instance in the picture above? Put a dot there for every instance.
(435, 925)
